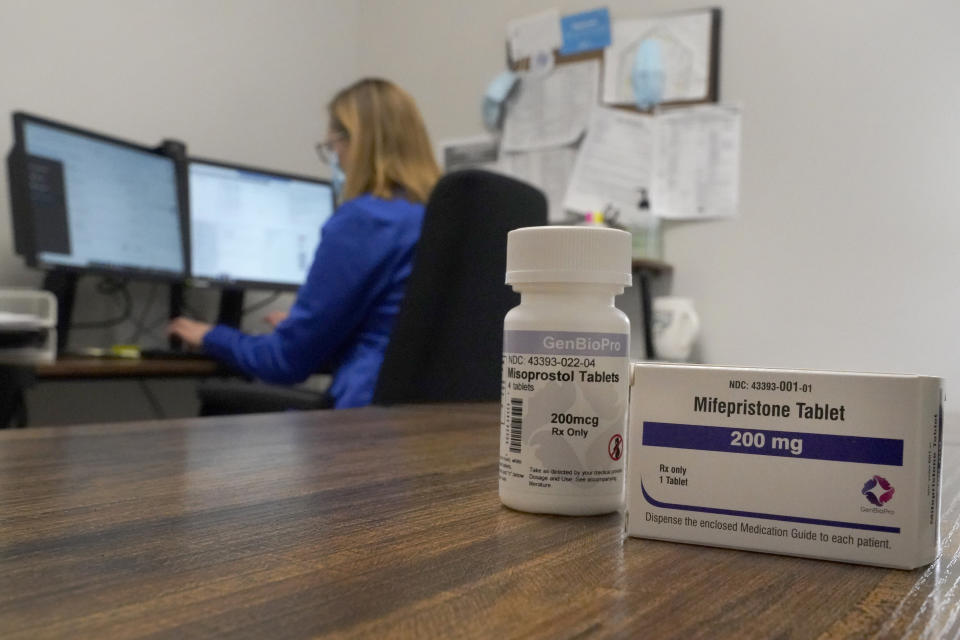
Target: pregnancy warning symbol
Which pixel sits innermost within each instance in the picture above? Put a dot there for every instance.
(615, 447)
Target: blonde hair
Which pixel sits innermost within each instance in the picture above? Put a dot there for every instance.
(390, 152)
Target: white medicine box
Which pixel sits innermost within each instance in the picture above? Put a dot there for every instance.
(840, 466)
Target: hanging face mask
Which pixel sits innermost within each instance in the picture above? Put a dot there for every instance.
(494, 98)
(337, 177)
(647, 76)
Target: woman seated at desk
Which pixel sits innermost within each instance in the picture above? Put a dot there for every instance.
(346, 309)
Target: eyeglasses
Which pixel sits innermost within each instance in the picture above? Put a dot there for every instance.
(326, 149)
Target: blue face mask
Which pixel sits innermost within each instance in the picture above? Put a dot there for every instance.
(647, 76)
(494, 98)
(337, 176)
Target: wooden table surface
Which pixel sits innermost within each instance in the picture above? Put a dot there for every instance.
(386, 522)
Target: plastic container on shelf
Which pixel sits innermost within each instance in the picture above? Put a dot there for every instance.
(28, 326)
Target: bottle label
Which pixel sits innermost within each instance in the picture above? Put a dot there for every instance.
(563, 421)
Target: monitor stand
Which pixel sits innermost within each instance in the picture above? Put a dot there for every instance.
(63, 285)
(231, 308)
(176, 309)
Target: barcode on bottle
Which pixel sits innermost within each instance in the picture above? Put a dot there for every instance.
(516, 424)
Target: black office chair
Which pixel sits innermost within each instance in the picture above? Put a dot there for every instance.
(233, 397)
(446, 345)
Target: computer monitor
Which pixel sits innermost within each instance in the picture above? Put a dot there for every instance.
(89, 202)
(254, 228)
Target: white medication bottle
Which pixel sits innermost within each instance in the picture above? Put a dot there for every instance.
(566, 370)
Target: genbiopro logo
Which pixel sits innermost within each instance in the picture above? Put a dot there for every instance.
(878, 491)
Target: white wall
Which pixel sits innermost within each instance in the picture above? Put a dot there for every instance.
(843, 256)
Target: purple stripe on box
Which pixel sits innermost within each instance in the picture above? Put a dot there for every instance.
(764, 442)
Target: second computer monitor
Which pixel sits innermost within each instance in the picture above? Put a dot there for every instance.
(254, 228)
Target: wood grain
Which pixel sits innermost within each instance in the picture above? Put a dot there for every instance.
(385, 522)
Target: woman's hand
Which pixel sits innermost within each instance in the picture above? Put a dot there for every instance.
(190, 331)
(275, 317)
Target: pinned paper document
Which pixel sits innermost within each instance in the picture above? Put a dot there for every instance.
(614, 167)
(477, 152)
(679, 164)
(532, 34)
(697, 172)
(553, 110)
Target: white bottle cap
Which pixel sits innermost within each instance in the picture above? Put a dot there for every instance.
(569, 254)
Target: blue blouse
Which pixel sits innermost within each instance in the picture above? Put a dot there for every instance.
(345, 310)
